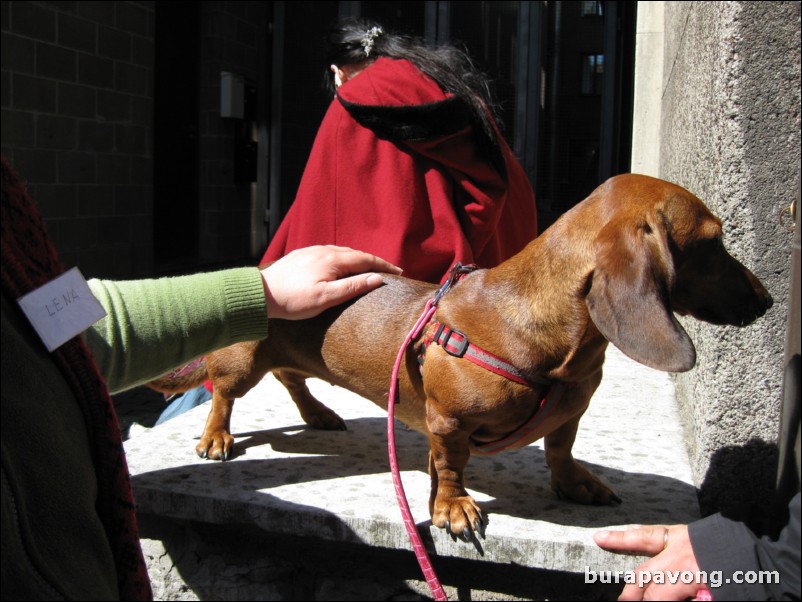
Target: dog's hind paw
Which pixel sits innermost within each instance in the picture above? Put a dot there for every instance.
(580, 485)
(324, 419)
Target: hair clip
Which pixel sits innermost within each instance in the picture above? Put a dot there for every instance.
(369, 38)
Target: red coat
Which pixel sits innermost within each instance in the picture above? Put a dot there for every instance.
(395, 170)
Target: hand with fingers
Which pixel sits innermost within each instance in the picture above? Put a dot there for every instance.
(671, 553)
(308, 281)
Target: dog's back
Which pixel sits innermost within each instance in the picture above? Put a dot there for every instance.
(354, 345)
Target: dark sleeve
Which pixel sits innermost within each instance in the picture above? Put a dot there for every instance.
(742, 566)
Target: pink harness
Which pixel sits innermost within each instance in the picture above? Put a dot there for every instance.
(457, 344)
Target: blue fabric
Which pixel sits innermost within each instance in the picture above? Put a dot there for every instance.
(185, 402)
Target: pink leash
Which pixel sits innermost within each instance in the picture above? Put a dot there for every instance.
(414, 537)
(456, 272)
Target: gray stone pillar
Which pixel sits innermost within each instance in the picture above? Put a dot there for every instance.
(730, 132)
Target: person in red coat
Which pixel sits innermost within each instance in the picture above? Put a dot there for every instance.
(408, 163)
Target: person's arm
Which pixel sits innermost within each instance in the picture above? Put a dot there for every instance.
(749, 567)
(153, 326)
(736, 563)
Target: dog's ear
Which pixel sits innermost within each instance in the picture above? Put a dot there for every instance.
(628, 296)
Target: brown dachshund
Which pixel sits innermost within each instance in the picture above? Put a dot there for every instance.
(614, 268)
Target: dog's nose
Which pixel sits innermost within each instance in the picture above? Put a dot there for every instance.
(764, 303)
(768, 301)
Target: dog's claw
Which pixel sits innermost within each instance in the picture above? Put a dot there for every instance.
(616, 499)
(202, 454)
(467, 534)
(478, 526)
(449, 531)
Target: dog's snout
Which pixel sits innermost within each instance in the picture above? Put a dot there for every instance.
(764, 301)
(763, 304)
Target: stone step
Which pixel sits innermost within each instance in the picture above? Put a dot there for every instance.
(289, 481)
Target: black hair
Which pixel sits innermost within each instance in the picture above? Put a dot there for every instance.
(354, 41)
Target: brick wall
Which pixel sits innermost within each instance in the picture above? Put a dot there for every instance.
(77, 112)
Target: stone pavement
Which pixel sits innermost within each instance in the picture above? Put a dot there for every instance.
(258, 525)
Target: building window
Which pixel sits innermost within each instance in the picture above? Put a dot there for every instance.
(592, 74)
(591, 9)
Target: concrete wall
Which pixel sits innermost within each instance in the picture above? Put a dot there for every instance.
(730, 133)
(647, 104)
(77, 104)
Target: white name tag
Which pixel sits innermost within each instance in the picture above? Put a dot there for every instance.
(62, 308)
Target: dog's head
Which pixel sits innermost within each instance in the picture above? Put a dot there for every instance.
(660, 252)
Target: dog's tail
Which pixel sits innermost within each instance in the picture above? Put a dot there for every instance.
(182, 379)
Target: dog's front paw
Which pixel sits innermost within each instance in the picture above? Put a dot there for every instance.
(459, 515)
(580, 485)
(215, 446)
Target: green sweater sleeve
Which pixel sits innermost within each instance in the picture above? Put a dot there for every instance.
(154, 326)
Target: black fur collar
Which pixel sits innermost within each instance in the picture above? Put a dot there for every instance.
(421, 122)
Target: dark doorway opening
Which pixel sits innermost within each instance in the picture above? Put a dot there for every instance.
(175, 135)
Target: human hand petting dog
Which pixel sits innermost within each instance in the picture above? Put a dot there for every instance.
(308, 281)
(671, 551)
